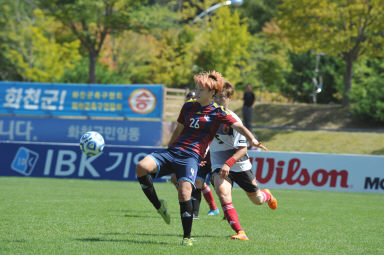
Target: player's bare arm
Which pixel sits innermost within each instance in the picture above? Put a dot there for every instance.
(240, 152)
(245, 132)
(176, 133)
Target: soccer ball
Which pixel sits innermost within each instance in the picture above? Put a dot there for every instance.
(91, 143)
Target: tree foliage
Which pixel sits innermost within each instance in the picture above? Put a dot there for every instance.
(344, 28)
(131, 55)
(34, 51)
(368, 96)
(224, 45)
(272, 62)
(270, 44)
(258, 12)
(8, 69)
(174, 62)
(91, 21)
(79, 74)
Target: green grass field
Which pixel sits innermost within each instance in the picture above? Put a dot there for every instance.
(63, 216)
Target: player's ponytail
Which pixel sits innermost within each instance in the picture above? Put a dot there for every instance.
(211, 80)
(228, 89)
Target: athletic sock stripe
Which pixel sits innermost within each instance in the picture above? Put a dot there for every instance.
(206, 190)
(265, 196)
(228, 207)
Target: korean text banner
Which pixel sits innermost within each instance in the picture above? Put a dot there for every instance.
(131, 101)
(67, 161)
(119, 132)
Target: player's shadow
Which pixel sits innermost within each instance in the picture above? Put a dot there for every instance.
(138, 216)
(136, 213)
(13, 241)
(157, 234)
(131, 211)
(97, 239)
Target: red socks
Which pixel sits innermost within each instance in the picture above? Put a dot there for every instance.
(266, 195)
(232, 218)
(207, 193)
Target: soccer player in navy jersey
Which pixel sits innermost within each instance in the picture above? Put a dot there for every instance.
(200, 184)
(197, 125)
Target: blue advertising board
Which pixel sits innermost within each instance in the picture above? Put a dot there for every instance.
(67, 161)
(130, 101)
(120, 132)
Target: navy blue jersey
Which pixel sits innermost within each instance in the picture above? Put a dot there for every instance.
(200, 126)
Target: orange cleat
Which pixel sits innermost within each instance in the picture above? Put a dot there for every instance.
(272, 203)
(240, 236)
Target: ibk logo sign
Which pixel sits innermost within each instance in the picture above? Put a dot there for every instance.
(317, 171)
(24, 161)
(67, 161)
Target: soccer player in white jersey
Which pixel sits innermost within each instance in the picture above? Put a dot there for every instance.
(230, 163)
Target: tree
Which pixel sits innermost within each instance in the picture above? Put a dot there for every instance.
(258, 12)
(189, 9)
(345, 28)
(131, 56)
(271, 58)
(79, 74)
(224, 44)
(11, 13)
(299, 80)
(91, 21)
(34, 51)
(368, 97)
(175, 59)
(5, 65)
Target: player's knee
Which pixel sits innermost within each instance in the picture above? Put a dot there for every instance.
(225, 196)
(184, 190)
(146, 166)
(140, 169)
(225, 199)
(256, 197)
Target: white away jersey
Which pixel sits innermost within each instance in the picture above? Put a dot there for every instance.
(225, 144)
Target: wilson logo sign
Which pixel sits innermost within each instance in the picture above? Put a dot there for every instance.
(292, 172)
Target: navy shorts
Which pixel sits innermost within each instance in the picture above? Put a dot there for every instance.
(178, 162)
(203, 172)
